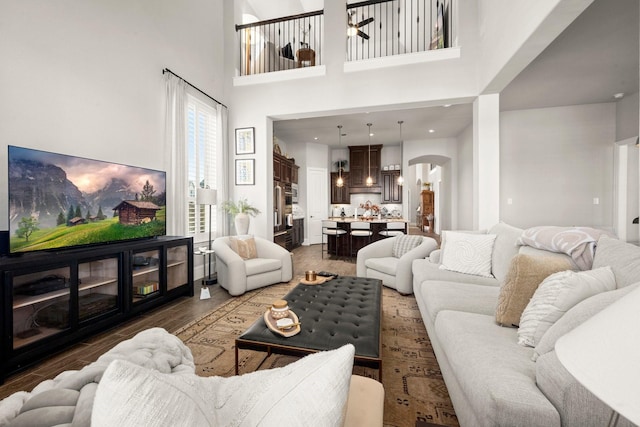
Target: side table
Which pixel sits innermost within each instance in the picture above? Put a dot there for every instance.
(207, 279)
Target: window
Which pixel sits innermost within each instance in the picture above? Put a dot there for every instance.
(201, 155)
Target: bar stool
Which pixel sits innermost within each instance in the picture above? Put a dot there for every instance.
(360, 230)
(395, 228)
(330, 228)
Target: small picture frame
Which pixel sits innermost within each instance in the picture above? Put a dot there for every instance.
(245, 141)
(245, 171)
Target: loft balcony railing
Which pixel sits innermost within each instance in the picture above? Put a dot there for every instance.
(281, 44)
(375, 29)
(379, 28)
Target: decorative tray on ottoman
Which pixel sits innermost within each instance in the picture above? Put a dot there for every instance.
(271, 324)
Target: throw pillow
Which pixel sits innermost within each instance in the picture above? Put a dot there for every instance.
(468, 253)
(245, 247)
(556, 295)
(624, 259)
(404, 244)
(523, 278)
(310, 391)
(578, 315)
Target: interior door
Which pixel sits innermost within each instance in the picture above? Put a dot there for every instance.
(317, 203)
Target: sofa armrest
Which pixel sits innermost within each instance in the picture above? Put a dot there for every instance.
(365, 405)
(435, 255)
(380, 249)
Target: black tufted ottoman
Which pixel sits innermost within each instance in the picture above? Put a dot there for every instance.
(340, 311)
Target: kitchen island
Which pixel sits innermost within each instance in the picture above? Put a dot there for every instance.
(377, 225)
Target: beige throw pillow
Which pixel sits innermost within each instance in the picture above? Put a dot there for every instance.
(245, 247)
(523, 278)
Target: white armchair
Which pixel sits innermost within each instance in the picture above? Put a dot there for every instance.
(273, 264)
(377, 261)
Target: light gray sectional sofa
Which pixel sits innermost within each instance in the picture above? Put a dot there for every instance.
(492, 380)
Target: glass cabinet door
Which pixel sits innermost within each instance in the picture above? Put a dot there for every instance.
(177, 267)
(41, 304)
(97, 287)
(146, 275)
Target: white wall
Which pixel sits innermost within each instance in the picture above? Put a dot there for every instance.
(554, 162)
(464, 211)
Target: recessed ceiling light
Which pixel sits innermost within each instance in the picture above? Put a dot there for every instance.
(315, 137)
(371, 134)
(619, 95)
(431, 130)
(447, 105)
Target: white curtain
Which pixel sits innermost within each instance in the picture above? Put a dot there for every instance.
(223, 168)
(175, 154)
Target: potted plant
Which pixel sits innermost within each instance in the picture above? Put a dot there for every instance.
(241, 212)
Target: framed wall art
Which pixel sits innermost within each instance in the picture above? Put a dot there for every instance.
(245, 141)
(245, 171)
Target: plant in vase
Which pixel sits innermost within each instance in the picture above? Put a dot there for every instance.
(241, 213)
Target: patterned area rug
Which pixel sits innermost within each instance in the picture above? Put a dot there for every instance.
(414, 388)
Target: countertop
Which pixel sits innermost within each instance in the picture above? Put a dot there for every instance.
(373, 220)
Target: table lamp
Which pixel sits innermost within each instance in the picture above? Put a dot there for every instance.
(603, 354)
(208, 196)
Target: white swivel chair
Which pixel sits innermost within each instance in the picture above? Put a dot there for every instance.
(395, 228)
(330, 229)
(360, 230)
(273, 264)
(390, 260)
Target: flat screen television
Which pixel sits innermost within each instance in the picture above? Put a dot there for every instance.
(59, 201)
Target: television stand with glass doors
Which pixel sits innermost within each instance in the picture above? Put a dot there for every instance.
(51, 300)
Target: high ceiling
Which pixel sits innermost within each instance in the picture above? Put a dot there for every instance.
(594, 58)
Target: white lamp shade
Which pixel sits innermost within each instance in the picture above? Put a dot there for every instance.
(206, 196)
(603, 354)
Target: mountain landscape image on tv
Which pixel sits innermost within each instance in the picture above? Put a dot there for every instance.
(60, 201)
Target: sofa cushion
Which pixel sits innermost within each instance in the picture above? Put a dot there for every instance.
(403, 244)
(576, 316)
(556, 295)
(496, 374)
(504, 248)
(439, 296)
(624, 259)
(468, 253)
(316, 387)
(524, 276)
(423, 269)
(387, 265)
(261, 265)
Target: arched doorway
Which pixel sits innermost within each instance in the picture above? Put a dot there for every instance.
(436, 170)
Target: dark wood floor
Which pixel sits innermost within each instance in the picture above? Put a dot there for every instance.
(170, 317)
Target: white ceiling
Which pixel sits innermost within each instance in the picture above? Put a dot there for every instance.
(594, 58)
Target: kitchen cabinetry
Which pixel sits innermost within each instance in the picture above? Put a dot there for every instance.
(294, 173)
(277, 167)
(283, 169)
(340, 195)
(298, 232)
(51, 300)
(359, 168)
(391, 190)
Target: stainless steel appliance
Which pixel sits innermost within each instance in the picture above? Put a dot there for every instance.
(282, 214)
(294, 192)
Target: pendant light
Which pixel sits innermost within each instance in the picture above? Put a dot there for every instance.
(401, 178)
(339, 181)
(369, 181)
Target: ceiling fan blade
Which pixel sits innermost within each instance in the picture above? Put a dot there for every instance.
(363, 35)
(364, 22)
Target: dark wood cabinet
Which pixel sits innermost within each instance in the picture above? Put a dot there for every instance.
(283, 169)
(52, 300)
(360, 165)
(340, 195)
(298, 232)
(391, 190)
(294, 173)
(277, 167)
